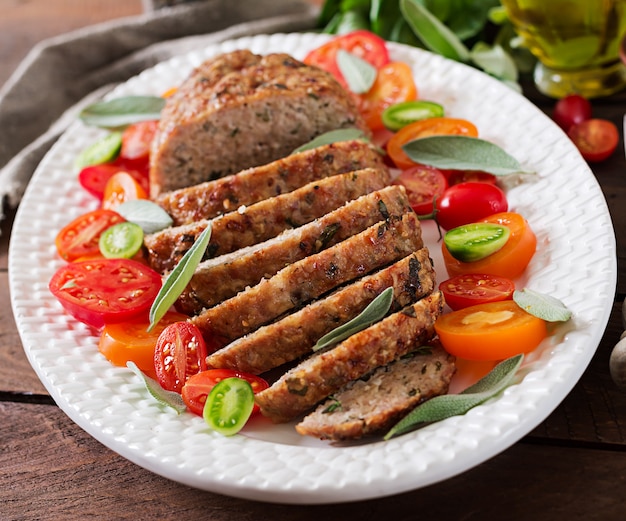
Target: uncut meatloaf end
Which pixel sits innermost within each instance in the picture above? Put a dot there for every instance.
(373, 404)
(245, 111)
(212, 198)
(326, 372)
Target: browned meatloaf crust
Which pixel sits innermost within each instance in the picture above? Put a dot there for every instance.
(309, 278)
(212, 198)
(293, 336)
(263, 220)
(325, 373)
(240, 110)
(222, 277)
(372, 405)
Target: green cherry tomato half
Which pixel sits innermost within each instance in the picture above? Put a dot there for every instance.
(229, 405)
(472, 242)
(102, 151)
(401, 114)
(121, 241)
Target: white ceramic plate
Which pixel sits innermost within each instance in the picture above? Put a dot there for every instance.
(564, 206)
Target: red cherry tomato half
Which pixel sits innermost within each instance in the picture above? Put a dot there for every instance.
(137, 138)
(180, 352)
(102, 291)
(571, 110)
(198, 386)
(469, 202)
(463, 176)
(472, 288)
(423, 184)
(94, 178)
(595, 138)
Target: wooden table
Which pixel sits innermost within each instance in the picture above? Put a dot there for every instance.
(572, 466)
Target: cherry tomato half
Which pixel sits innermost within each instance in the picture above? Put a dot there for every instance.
(491, 331)
(198, 386)
(571, 110)
(136, 139)
(469, 202)
(425, 128)
(596, 139)
(423, 184)
(179, 353)
(103, 291)
(470, 289)
(121, 187)
(94, 178)
(463, 176)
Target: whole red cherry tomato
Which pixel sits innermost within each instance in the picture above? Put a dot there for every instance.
(571, 110)
(469, 202)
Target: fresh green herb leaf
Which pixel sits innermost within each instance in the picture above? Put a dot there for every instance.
(164, 397)
(542, 306)
(120, 112)
(495, 61)
(178, 278)
(333, 136)
(462, 153)
(150, 216)
(444, 406)
(376, 310)
(349, 21)
(103, 150)
(359, 74)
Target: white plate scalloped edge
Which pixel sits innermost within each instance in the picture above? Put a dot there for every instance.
(564, 205)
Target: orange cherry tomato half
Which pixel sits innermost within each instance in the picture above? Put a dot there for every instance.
(425, 128)
(596, 139)
(470, 289)
(394, 84)
(490, 331)
(423, 184)
(510, 261)
(198, 386)
(121, 187)
(131, 341)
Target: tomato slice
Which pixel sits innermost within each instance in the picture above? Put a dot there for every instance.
(394, 84)
(510, 261)
(80, 238)
(121, 240)
(179, 353)
(136, 139)
(424, 128)
(103, 291)
(490, 331)
(423, 184)
(131, 341)
(475, 288)
(466, 203)
(595, 138)
(228, 406)
(362, 43)
(198, 386)
(121, 187)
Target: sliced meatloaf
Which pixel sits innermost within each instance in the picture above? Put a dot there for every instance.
(293, 336)
(325, 373)
(240, 110)
(263, 220)
(222, 277)
(307, 279)
(373, 404)
(212, 198)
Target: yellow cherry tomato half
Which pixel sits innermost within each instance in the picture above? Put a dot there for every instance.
(490, 331)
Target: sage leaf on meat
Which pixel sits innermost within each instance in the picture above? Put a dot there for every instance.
(169, 398)
(452, 152)
(150, 216)
(447, 405)
(179, 277)
(333, 136)
(119, 112)
(374, 311)
(543, 306)
(359, 74)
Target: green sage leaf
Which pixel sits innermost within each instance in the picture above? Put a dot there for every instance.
(123, 111)
(150, 216)
(359, 74)
(453, 152)
(433, 33)
(444, 406)
(375, 311)
(179, 277)
(495, 61)
(169, 398)
(543, 306)
(333, 136)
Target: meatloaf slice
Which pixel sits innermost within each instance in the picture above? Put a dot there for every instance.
(223, 277)
(302, 281)
(373, 404)
(293, 336)
(263, 220)
(212, 198)
(326, 372)
(240, 110)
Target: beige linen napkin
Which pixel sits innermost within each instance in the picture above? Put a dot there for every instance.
(79, 67)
